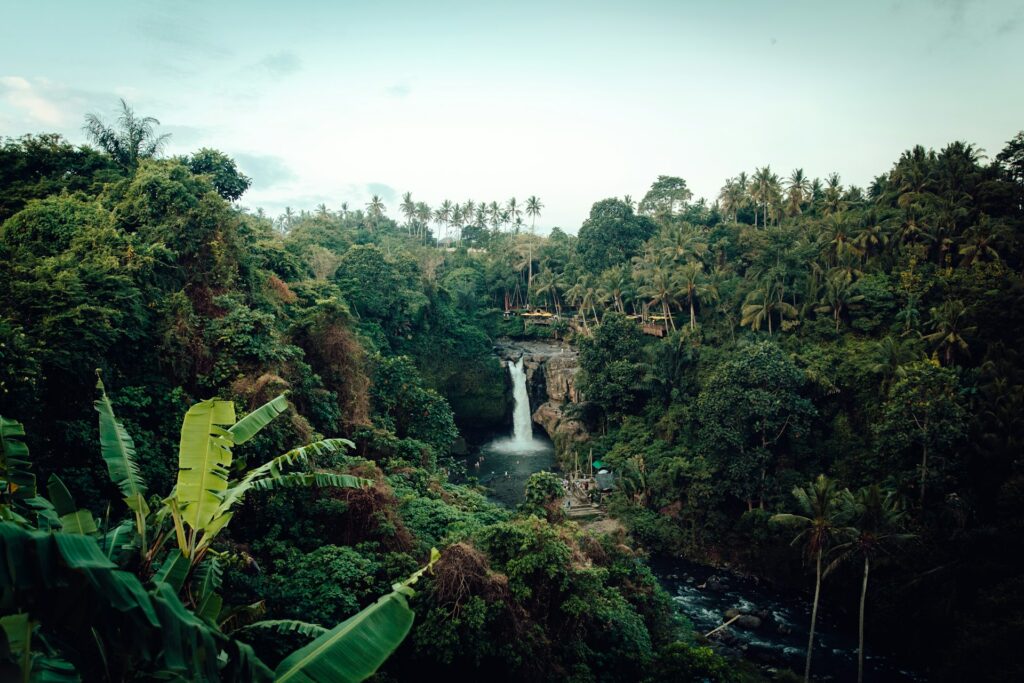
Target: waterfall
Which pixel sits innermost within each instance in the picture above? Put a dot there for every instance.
(522, 423)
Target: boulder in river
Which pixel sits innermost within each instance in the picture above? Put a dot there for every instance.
(748, 621)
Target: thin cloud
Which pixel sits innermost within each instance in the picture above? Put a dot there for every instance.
(266, 170)
(26, 97)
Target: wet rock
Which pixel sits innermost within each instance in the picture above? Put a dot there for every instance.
(732, 613)
(764, 653)
(748, 621)
(714, 584)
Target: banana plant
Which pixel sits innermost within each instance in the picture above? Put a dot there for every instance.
(62, 583)
(204, 499)
(118, 451)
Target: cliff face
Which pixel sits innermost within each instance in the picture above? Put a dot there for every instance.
(551, 370)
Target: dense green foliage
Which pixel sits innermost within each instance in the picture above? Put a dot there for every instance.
(730, 353)
(251, 564)
(868, 334)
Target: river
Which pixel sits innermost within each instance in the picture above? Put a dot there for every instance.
(703, 594)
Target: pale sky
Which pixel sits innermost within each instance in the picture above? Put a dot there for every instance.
(571, 101)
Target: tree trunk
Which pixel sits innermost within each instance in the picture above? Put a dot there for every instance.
(814, 619)
(692, 316)
(529, 271)
(924, 468)
(860, 632)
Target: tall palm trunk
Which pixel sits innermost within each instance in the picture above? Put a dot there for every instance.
(692, 315)
(529, 271)
(814, 619)
(860, 632)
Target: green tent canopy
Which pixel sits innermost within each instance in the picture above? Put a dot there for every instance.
(598, 464)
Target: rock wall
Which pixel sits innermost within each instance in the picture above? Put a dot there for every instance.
(551, 371)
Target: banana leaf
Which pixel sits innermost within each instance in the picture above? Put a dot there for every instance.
(276, 467)
(16, 481)
(118, 451)
(72, 587)
(251, 424)
(173, 571)
(204, 459)
(72, 519)
(354, 649)
(283, 626)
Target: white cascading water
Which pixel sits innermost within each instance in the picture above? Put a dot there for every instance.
(522, 423)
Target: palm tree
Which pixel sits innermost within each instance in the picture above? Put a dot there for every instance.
(839, 296)
(480, 215)
(823, 512)
(577, 296)
(423, 216)
(892, 354)
(949, 322)
(375, 208)
(408, 207)
(696, 287)
(533, 209)
(979, 242)
(681, 243)
(549, 283)
(130, 140)
(761, 303)
(833, 194)
(659, 287)
(765, 190)
(798, 187)
(443, 214)
(514, 212)
(733, 196)
(494, 210)
(615, 286)
(458, 216)
(286, 220)
(879, 516)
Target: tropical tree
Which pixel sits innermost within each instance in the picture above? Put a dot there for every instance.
(515, 213)
(696, 287)
(423, 216)
(408, 208)
(549, 283)
(130, 140)
(667, 196)
(878, 518)
(891, 354)
(533, 209)
(949, 325)
(823, 512)
(798, 189)
(614, 286)
(375, 208)
(839, 296)
(763, 303)
(832, 196)
(64, 579)
(659, 286)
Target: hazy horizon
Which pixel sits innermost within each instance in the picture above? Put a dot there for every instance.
(322, 103)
